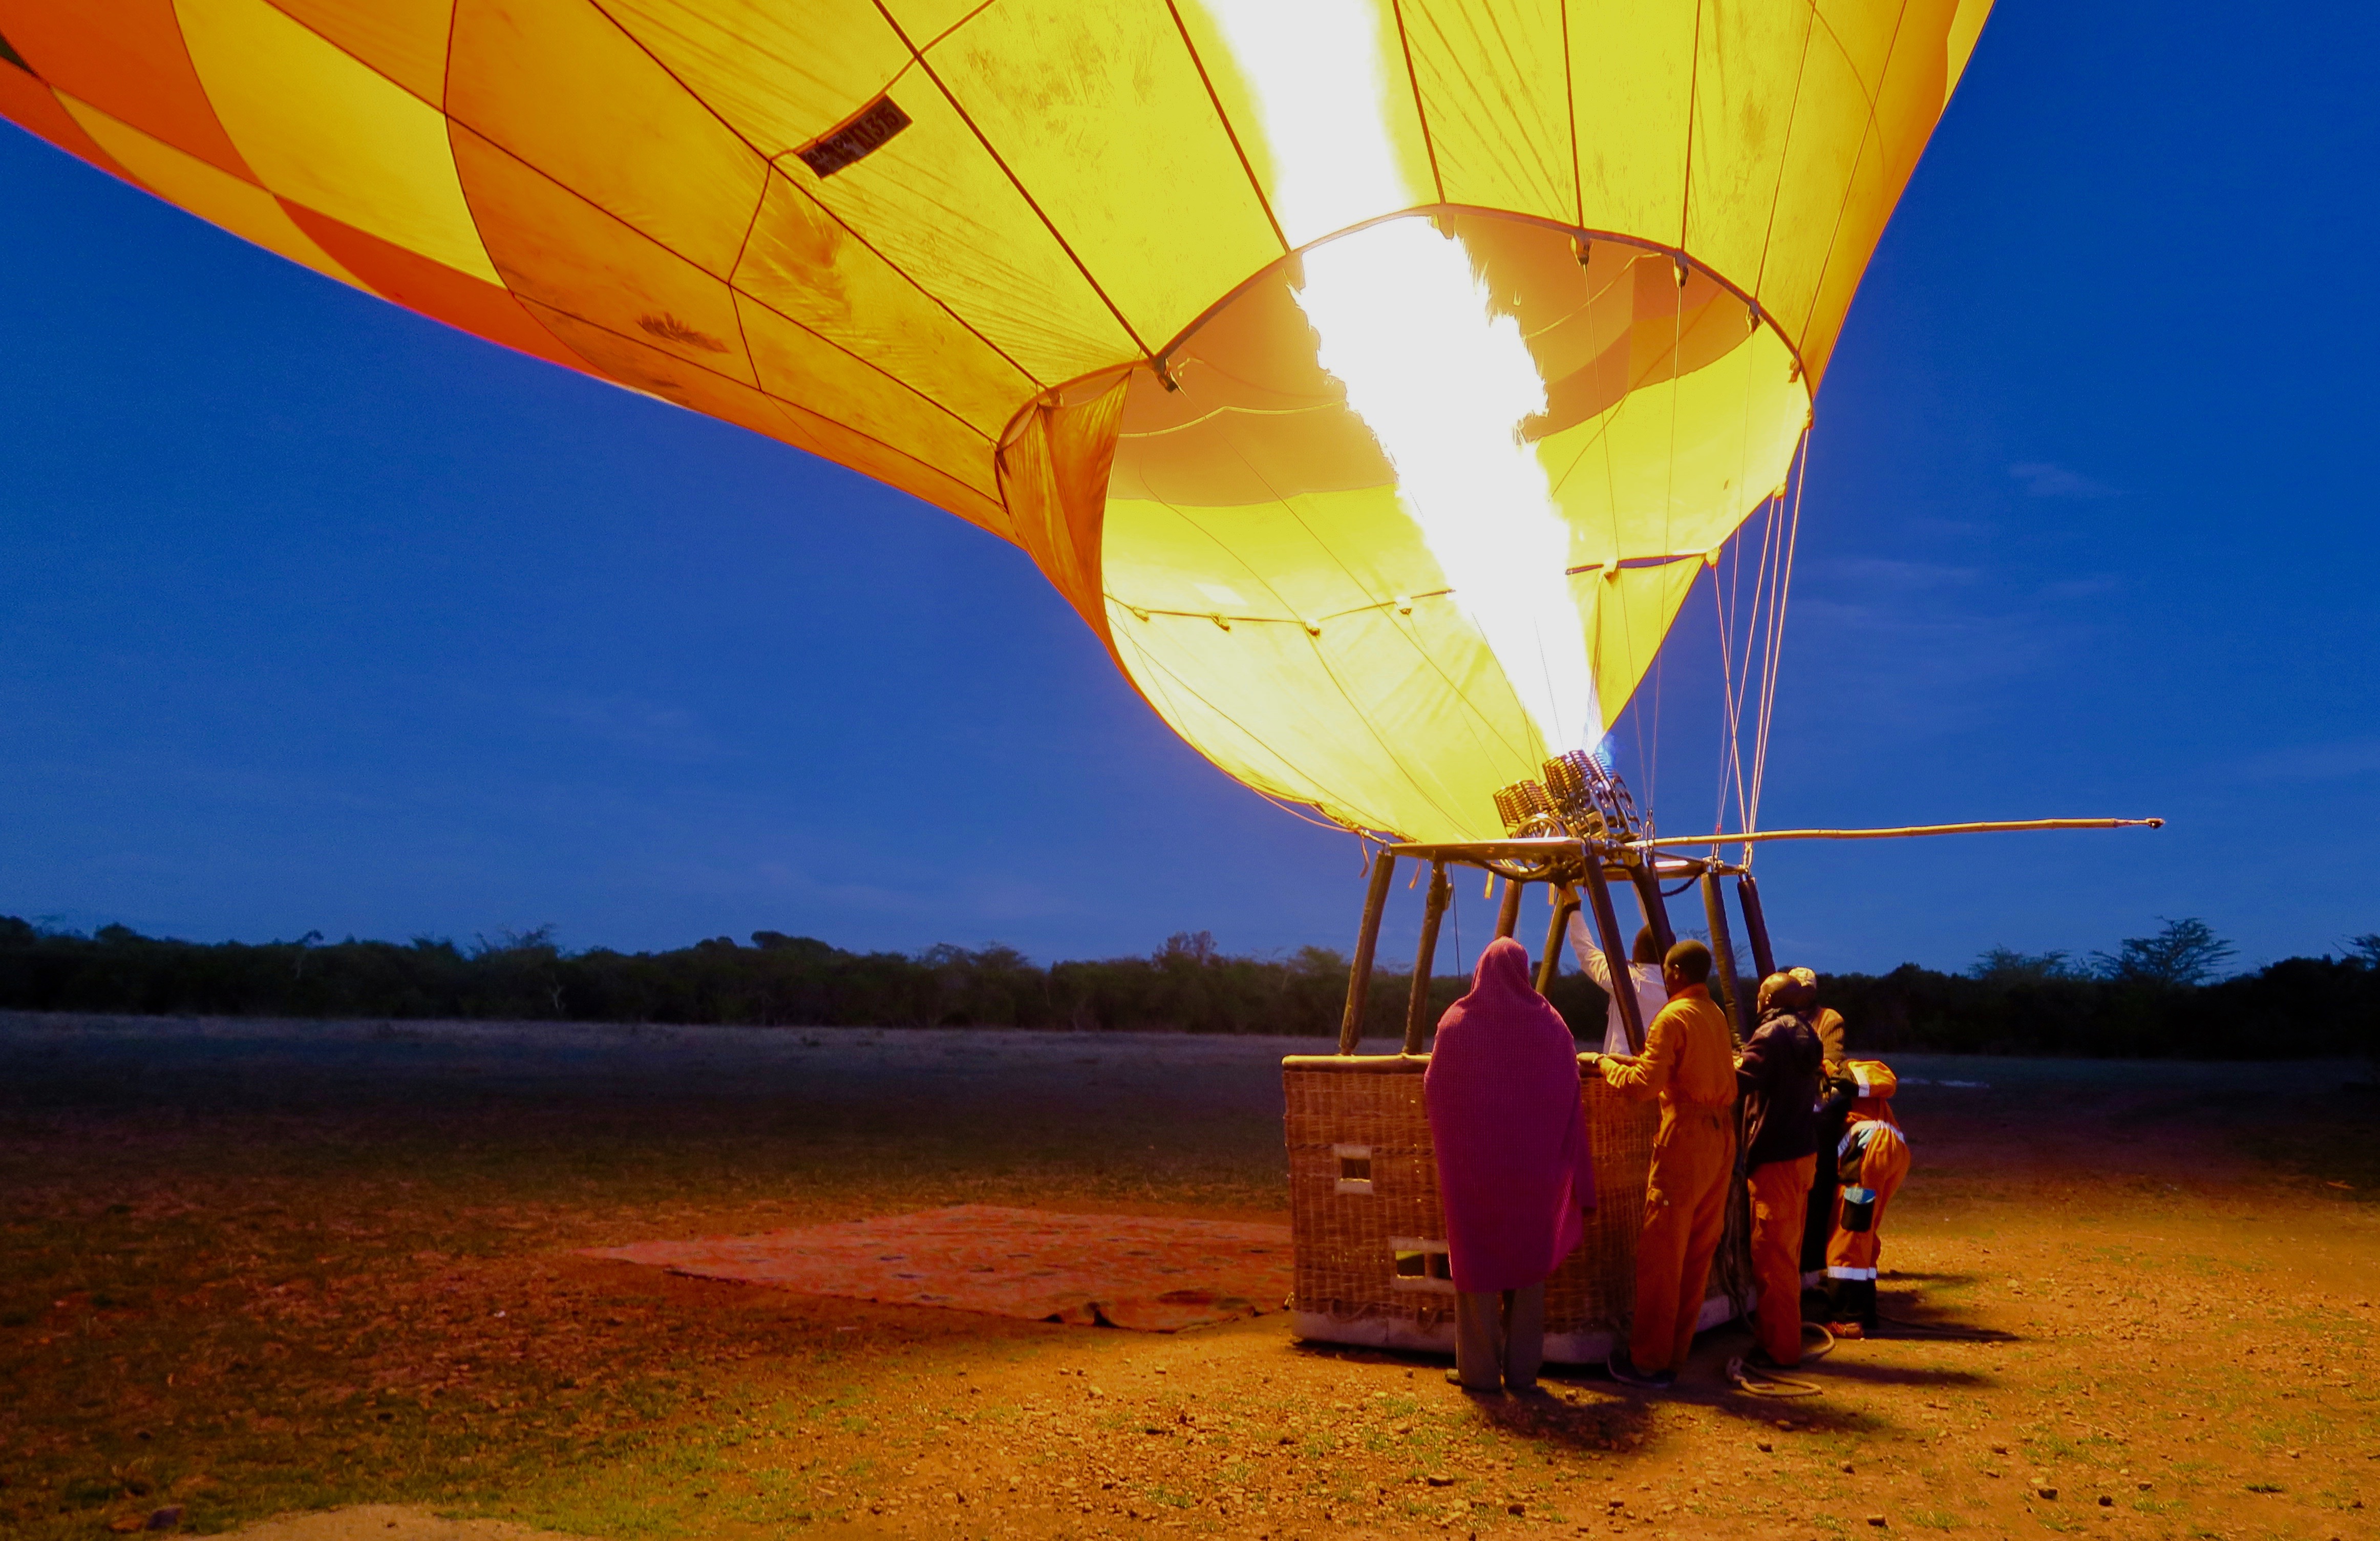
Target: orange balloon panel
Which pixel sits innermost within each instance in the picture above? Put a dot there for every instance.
(1372, 378)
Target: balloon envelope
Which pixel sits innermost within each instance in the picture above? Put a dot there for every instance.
(1373, 379)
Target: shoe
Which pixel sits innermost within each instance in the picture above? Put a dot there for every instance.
(1623, 1370)
(1454, 1378)
(1848, 1330)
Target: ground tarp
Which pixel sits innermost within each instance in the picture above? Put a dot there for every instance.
(1136, 1271)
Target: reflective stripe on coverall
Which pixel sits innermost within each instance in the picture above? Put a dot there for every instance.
(1689, 1062)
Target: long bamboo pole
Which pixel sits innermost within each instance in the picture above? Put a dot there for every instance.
(1723, 958)
(1426, 957)
(1756, 930)
(1550, 962)
(1906, 832)
(1657, 910)
(1359, 974)
(1607, 926)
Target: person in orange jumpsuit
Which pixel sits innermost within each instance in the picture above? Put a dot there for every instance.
(1689, 1063)
(1778, 1073)
(1872, 1159)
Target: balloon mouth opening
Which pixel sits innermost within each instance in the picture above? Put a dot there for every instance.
(1328, 499)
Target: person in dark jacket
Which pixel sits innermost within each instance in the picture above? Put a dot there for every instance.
(1778, 1073)
(1828, 1024)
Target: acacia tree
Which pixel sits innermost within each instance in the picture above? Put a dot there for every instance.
(2186, 953)
(2005, 966)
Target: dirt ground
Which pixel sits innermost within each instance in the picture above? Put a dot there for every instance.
(256, 1270)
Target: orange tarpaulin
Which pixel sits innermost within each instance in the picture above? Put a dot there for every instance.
(1152, 1275)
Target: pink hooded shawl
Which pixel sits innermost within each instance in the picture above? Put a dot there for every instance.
(1513, 1167)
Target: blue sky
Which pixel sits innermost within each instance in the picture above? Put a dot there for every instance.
(316, 616)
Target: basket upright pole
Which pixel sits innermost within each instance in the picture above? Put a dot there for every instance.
(1756, 927)
(1359, 976)
(1550, 963)
(1426, 956)
(1723, 955)
(1657, 909)
(1508, 912)
(1624, 980)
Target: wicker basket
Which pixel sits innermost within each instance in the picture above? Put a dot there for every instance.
(1370, 1236)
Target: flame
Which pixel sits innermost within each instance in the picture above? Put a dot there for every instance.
(1404, 323)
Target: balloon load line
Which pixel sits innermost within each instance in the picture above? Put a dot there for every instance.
(1578, 831)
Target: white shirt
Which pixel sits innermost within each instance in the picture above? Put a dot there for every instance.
(1651, 994)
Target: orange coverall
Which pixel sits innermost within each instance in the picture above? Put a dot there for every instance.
(1689, 1063)
(1873, 1156)
(1780, 1190)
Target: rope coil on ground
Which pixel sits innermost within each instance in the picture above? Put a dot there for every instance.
(1754, 1382)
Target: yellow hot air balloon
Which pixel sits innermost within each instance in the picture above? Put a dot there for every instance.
(1372, 376)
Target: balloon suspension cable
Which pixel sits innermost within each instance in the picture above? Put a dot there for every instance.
(1779, 593)
(1752, 641)
(1727, 602)
(1904, 831)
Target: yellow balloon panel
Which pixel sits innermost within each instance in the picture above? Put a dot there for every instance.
(944, 210)
(321, 128)
(1748, 68)
(405, 39)
(1070, 185)
(779, 75)
(127, 59)
(1862, 30)
(1831, 126)
(971, 248)
(1632, 78)
(1497, 99)
(808, 266)
(240, 207)
(556, 248)
(1071, 96)
(606, 121)
(795, 364)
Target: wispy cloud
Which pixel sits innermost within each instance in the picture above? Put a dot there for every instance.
(1880, 575)
(629, 722)
(2082, 588)
(2042, 479)
(2315, 762)
(1932, 647)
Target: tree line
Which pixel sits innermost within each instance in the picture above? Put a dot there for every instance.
(2159, 996)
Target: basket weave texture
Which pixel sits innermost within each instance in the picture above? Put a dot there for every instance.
(1345, 1264)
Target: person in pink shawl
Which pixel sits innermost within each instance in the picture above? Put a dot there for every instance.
(1514, 1169)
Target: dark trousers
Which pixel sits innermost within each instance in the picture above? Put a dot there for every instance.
(1500, 1337)
(1819, 1224)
